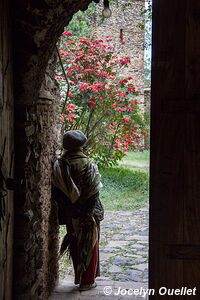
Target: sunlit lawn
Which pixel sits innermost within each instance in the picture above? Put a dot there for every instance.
(126, 186)
(136, 160)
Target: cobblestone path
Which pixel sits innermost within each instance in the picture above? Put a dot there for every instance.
(123, 257)
(124, 245)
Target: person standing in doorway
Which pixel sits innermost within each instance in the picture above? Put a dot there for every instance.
(77, 183)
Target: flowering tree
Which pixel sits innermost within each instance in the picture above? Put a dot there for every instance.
(95, 99)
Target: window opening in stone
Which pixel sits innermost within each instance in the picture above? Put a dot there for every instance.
(121, 36)
(104, 77)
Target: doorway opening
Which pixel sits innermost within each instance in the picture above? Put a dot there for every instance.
(124, 230)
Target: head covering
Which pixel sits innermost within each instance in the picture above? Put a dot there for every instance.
(74, 139)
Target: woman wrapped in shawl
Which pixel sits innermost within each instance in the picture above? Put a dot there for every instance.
(77, 183)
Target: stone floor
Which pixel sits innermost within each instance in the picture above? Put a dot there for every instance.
(106, 289)
(124, 245)
(123, 256)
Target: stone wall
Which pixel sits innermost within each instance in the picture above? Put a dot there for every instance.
(36, 234)
(37, 26)
(47, 209)
(147, 100)
(126, 28)
(47, 229)
(7, 151)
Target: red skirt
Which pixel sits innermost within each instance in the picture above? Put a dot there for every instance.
(84, 250)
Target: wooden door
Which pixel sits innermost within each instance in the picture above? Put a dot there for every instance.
(6, 153)
(175, 147)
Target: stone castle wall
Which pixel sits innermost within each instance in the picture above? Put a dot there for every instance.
(126, 28)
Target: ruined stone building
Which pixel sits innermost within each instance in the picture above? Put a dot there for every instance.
(29, 31)
(126, 28)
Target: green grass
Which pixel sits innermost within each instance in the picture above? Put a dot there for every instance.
(136, 160)
(142, 156)
(126, 186)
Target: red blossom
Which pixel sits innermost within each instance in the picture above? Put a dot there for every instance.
(119, 140)
(80, 57)
(111, 84)
(92, 103)
(103, 74)
(108, 39)
(125, 60)
(100, 84)
(70, 42)
(121, 94)
(127, 119)
(112, 77)
(71, 117)
(83, 40)
(124, 80)
(71, 107)
(62, 52)
(120, 109)
(88, 70)
(137, 136)
(58, 77)
(67, 33)
(70, 94)
(82, 88)
(95, 88)
(114, 105)
(129, 108)
(131, 89)
(85, 83)
(80, 75)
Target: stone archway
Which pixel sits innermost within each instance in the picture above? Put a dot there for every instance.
(37, 26)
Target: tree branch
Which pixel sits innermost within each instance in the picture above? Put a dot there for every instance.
(68, 85)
